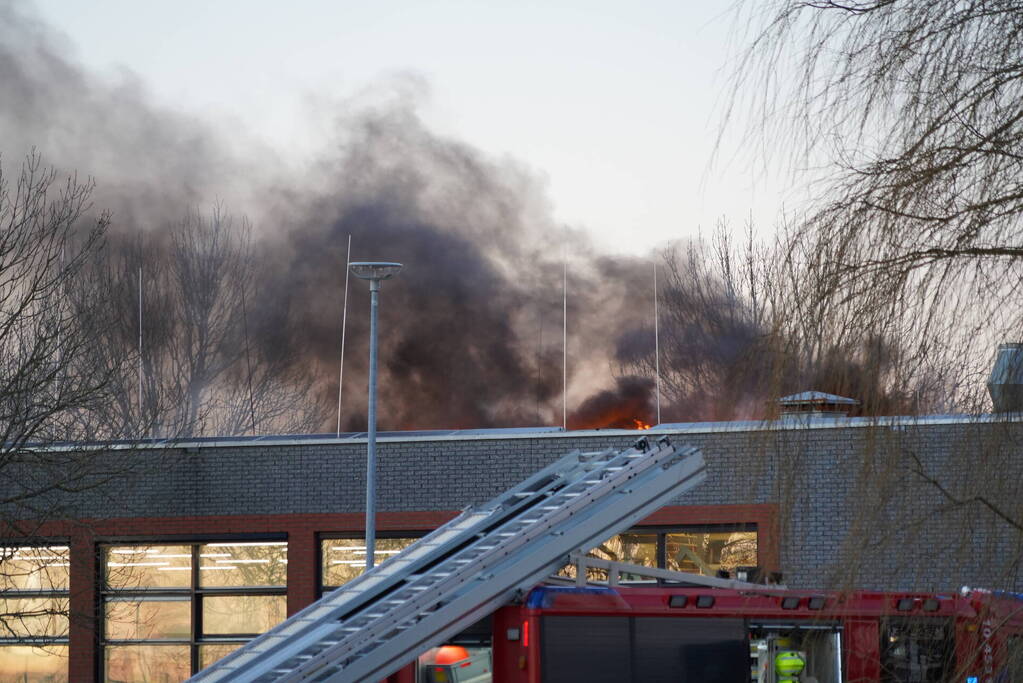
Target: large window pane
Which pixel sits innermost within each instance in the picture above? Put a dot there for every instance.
(345, 558)
(154, 566)
(638, 549)
(630, 548)
(36, 568)
(242, 614)
(209, 654)
(705, 552)
(148, 619)
(28, 617)
(26, 664)
(243, 564)
(146, 663)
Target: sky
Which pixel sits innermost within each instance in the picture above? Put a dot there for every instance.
(616, 107)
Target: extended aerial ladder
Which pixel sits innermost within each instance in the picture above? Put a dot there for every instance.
(463, 571)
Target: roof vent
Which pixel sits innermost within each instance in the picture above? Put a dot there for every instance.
(1006, 381)
(815, 404)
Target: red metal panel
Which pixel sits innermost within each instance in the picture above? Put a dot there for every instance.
(508, 653)
(863, 650)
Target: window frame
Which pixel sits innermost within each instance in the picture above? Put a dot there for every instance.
(195, 593)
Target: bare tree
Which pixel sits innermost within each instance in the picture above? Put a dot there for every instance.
(210, 269)
(53, 393)
(915, 109)
(735, 321)
(912, 114)
(50, 388)
(213, 361)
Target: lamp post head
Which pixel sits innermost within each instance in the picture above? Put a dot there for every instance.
(375, 270)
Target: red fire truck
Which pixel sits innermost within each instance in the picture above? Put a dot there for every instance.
(618, 634)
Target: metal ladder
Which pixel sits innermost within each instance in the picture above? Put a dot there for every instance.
(463, 571)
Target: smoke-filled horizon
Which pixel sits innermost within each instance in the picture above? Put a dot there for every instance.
(471, 331)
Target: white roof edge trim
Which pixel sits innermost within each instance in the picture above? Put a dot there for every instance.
(673, 428)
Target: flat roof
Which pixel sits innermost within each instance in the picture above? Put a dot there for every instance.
(788, 423)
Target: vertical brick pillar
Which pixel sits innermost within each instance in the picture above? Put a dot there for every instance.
(303, 556)
(83, 664)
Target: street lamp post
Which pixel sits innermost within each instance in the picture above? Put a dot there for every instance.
(375, 272)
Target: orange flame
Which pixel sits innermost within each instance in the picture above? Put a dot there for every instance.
(640, 424)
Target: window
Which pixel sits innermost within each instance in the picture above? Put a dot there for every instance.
(710, 549)
(695, 549)
(344, 559)
(171, 610)
(916, 650)
(34, 626)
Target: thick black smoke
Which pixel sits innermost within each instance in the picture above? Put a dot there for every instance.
(470, 330)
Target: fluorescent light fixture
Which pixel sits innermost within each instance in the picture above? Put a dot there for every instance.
(244, 544)
(245, 561)
(138, 564)
(124, 551)
(212, 568)
(185, 555)
(214, 554)
(349, 547)
(356, 563)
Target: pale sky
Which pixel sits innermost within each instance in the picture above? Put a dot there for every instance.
(616, 105)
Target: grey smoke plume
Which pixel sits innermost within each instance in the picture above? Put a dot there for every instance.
(470, 331)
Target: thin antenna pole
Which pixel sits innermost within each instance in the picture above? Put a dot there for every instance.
(564, 343)
(248, 359)
(657, 346)
(141, 421)
(344, 323)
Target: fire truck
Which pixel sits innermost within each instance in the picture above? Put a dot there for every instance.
(570, 634)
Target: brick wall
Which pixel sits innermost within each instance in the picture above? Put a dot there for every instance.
(854, 504)
(928, 506)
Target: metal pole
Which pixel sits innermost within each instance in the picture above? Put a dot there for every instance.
(371, 447)
(564, 345)
(657, 346)
(344, 323)
(141, 412)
